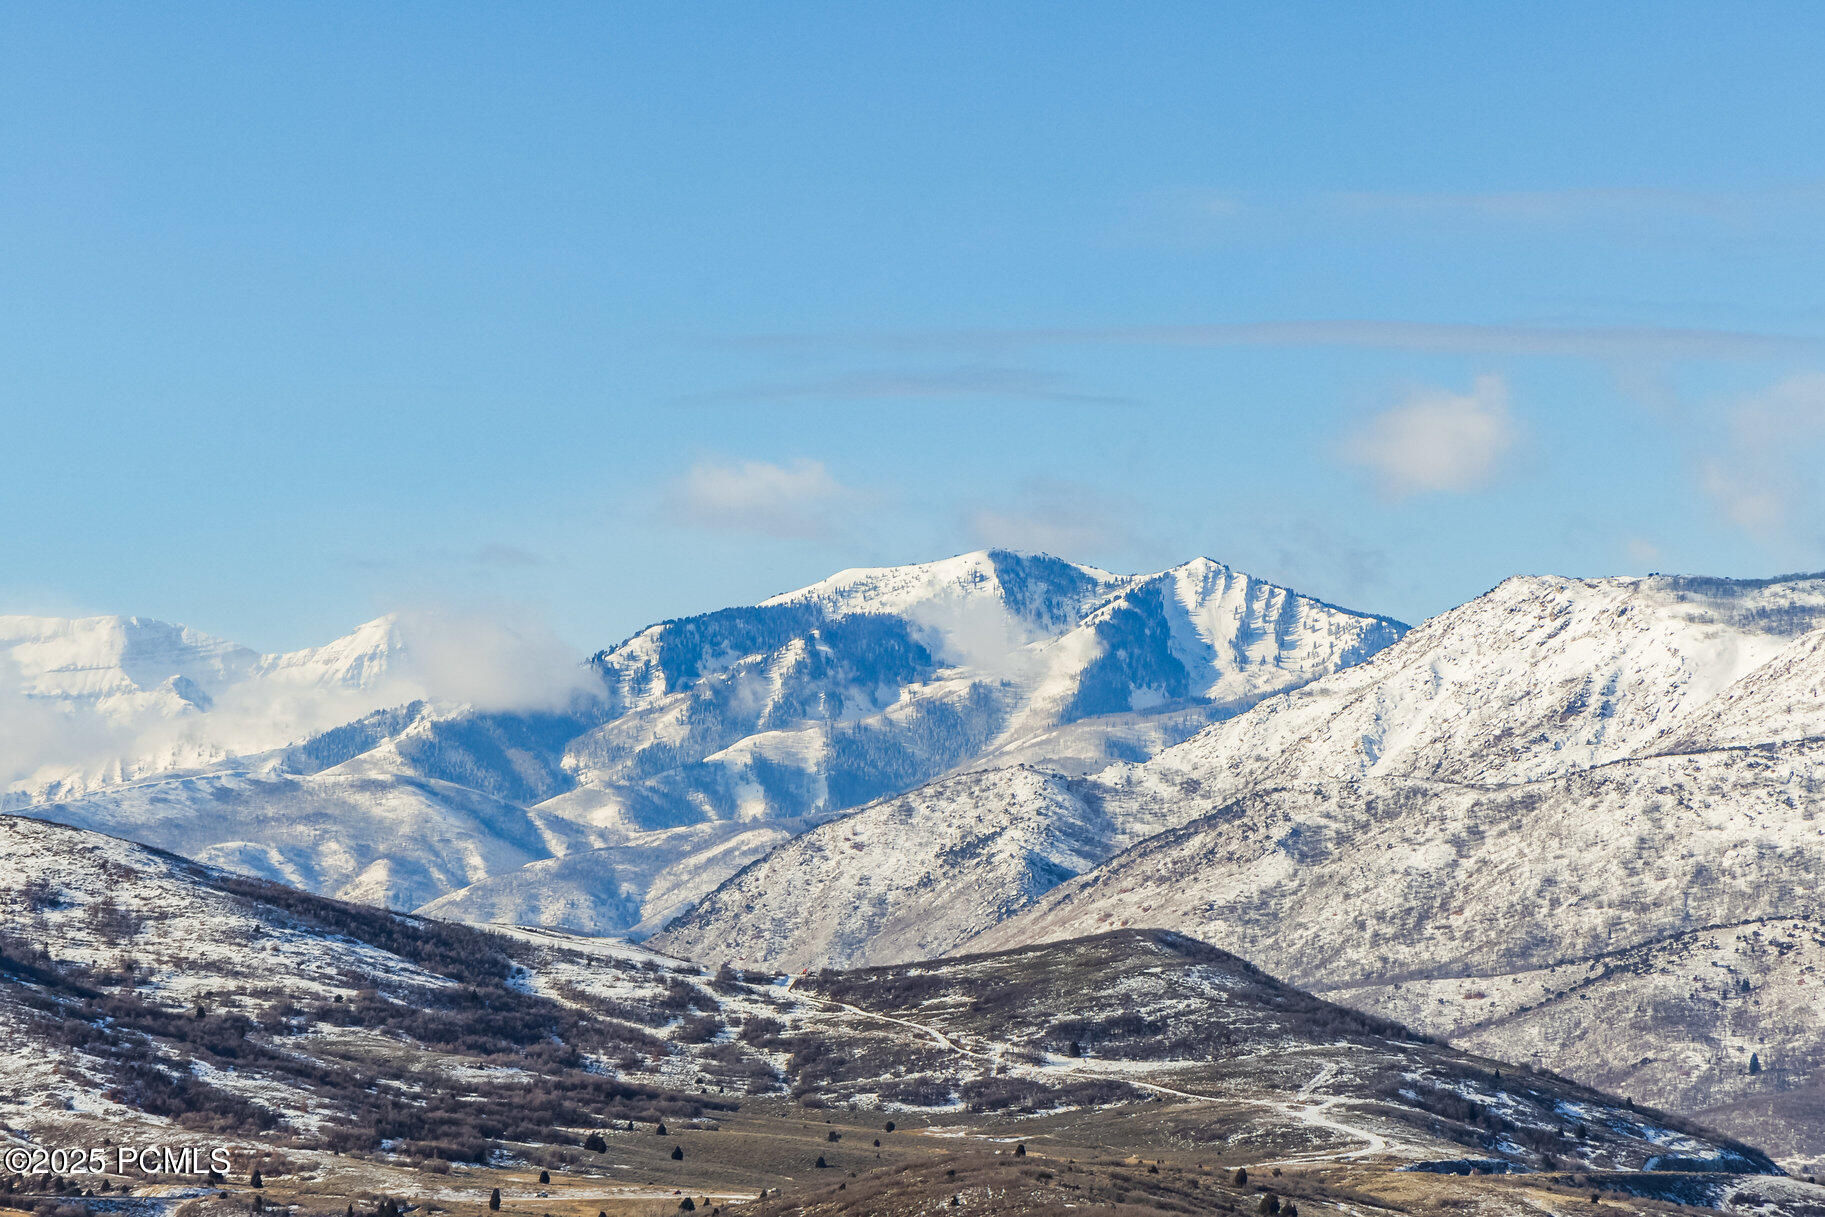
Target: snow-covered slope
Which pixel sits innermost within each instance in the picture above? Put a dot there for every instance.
(1784, 699)
(670, 760)
(630, 888)
(1537, 677)
(906, 878)
(143, 995)
(396, 843)
(1554, 903)
(1552, 774)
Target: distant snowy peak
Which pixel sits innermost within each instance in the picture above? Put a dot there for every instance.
(875, 680)
(994, 611)
(1220, 635)
(1046, 591)
(359, 660)
(1536, 676)
(102, 700)
(95, 658)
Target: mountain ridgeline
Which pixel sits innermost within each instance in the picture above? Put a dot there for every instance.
(667, 762)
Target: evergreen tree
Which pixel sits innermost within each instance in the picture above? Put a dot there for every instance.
(1240, 1178)
(494, 1201)
(595, 1144)
(256, 1181)
(544, 1176)
(678, 1153)
(1755, 1062)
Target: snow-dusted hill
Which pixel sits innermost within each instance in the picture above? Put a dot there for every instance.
(634, 784)
(335, 1045)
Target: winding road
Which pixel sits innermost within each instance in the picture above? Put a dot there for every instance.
(1305, 1107)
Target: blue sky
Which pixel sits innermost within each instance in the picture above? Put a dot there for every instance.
(608, 313)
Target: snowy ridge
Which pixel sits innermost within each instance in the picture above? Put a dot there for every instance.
(1539, 676)
(803, 704)
(672, 759)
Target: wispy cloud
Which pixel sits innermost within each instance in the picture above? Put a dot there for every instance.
(1642, 552)
(1600, 342)
(1055, 516)
(1025, 384)
(1580, 204)
(1194, 216)
(1767, 464)
(1437, 441)
(499, 555)
(797, 499)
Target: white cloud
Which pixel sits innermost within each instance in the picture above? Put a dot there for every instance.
(977, 632)
(494, 661)
(797, 499)
(1766, 465)
(1438, 441)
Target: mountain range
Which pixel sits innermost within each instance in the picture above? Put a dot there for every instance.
(1573, 821)
(635, 782)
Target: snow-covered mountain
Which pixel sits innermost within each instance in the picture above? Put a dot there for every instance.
(1536, 678)
(1555, 775)
(672, 759)
(876, 680)
(93, 701)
